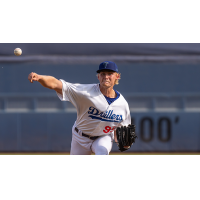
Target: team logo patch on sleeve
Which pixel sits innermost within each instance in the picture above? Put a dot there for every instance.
(104, 116)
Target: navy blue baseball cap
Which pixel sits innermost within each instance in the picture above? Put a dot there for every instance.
(108, 65)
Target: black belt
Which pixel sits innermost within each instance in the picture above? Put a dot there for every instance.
(83, 134)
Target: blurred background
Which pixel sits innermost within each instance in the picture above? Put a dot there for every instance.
(160, 82)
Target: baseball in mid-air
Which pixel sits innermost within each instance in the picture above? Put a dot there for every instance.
(18, 52)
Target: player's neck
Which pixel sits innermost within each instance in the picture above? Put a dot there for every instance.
(109, 92)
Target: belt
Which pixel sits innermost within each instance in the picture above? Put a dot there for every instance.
(85, 135)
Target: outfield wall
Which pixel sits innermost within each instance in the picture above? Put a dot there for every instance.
(164, 100)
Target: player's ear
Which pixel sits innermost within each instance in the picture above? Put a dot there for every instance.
(118, 75)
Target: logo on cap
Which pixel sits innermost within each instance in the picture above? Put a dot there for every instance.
(105, 64)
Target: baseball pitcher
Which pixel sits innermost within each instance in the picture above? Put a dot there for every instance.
(103, 115)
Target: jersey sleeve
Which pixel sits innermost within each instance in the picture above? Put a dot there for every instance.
(127, 116)
(71, 92)
(127, 121)
(75, 93)
(63, 97)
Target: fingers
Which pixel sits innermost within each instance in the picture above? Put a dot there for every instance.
(32, 77)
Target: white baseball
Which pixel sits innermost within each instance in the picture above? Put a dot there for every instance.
(17, 51)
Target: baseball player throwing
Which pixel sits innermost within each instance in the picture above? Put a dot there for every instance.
(100, 109)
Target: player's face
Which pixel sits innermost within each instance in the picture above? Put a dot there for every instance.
(107, 78)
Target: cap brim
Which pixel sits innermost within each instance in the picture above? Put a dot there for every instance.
(98, 71)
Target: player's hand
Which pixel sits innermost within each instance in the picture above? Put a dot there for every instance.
(33, 77)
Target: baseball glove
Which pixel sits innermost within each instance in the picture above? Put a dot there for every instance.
(125, 136)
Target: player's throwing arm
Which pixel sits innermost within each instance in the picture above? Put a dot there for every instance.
(46, 81)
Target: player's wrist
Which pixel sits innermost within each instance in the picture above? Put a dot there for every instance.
(39, 78)
(42, 78)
